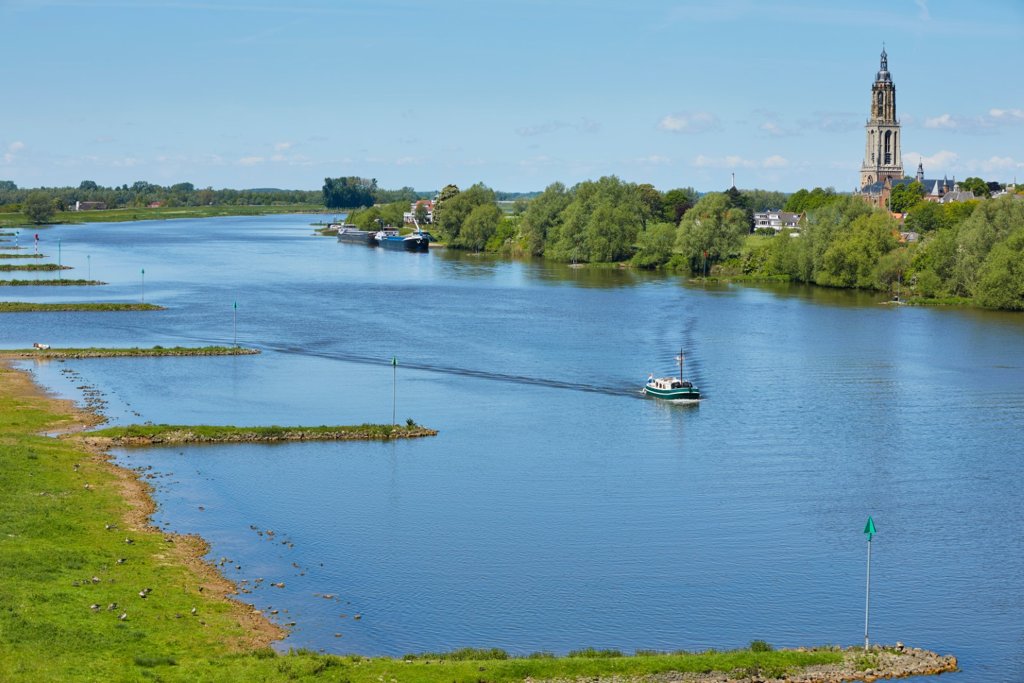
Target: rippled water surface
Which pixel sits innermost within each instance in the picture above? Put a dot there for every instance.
(557, 509)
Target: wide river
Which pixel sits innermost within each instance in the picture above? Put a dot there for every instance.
(558, 509)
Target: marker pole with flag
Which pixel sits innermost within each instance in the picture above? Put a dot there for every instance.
(394, 390)
(234, 324)
(869, 529)
(143, 285)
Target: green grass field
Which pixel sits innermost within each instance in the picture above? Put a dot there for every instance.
(74, 557)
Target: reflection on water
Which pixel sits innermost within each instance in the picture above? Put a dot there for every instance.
(555, 510)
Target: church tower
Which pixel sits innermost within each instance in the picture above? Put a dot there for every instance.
(882, 157)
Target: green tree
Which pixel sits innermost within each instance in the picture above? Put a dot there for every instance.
(803, 201)
(447, 192)
(976, 185)
(38, 208)
(600, 224)
(451, 214)
(88, 185)
(677, 202)
(1001, 278)
(543, 216)
(990, 223)
(480, 225)
(651, 201)
(763, 200)
(421, 214)
(714, 229)
(654, 245)
(904, 196)
(852, 258)
(348, 193)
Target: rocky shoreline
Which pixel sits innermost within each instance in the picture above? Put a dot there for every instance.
(881, 662)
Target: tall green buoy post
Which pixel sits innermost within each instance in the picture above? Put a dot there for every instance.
(143, 285)
(234, 324)
(869, 529)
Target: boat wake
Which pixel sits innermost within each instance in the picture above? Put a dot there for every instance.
(454, 370)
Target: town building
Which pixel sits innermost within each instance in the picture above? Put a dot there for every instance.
(409, 217)
(776, 220)
(90, 206)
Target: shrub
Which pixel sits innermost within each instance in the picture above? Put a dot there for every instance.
(760, 646)
(595, 654)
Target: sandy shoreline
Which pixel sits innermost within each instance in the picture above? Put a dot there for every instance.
(185, 549)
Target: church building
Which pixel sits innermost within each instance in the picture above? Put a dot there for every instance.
(882, 157)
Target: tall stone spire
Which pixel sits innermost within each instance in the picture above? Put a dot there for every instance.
(882, 158)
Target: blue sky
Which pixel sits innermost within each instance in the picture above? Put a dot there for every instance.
(516, 94)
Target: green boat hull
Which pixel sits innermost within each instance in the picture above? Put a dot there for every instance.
(680, 394)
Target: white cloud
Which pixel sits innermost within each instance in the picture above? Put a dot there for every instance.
(940, 162)
(985, 123)
(689, 122)
(250, 161)
(409, 161)
(1007, 115)
(995, 164)
(282, 146)
(943, 121)
(775, 161)
(12, 151)
(922, 5)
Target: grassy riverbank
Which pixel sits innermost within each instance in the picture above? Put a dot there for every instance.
(128, 352)
(160, 213)
(144, 435)
(88, 591)
(33, 307)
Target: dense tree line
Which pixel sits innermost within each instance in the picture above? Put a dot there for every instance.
(969, 250)
(142, 193)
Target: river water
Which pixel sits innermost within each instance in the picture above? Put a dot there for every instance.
(557, 509)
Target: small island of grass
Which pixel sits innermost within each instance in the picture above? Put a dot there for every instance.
(33, 307)
(33, 266)
(148, 435)
(3, 256)
(48, 352)
(49, 283)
